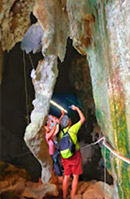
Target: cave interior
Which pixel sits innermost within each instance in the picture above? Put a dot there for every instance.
(17, 94)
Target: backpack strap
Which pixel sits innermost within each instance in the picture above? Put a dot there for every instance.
(70, 136)
(66, 131)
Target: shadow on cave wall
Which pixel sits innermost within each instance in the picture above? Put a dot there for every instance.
(73, 81)
(14, 111)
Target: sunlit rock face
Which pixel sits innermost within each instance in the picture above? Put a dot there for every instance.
(52, 16)
(14, 21)
(108, 57)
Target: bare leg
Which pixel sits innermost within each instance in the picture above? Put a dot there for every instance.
(60, 182)
(74, 185)
(65, 185)
(60, 179)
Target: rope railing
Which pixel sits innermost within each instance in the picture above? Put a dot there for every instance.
(103, 140)
(125, 159)
(94, 143)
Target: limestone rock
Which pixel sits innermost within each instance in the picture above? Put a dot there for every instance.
(44, 81)
(11, 178)
(105, 41)
(14, 21)
(80, 24)
(15, 182)
(100, 30)
(34, 190)
(109, 60)
(32, 40)
(81, 80)
(94, 190)
(99, 190)
(49, 14)
(83, 186)
(52, 16)
(10, 171)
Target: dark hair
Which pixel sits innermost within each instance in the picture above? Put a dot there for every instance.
(64, 121)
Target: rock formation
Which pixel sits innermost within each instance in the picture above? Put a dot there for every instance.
(53, 46)
(14, 20)
(15, 183)
(99, 30)
(35, 135)
(109, 59)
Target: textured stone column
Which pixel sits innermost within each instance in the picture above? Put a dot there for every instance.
(44, 81)
(52, 16)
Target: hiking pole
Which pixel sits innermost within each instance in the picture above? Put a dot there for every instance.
(58, 106)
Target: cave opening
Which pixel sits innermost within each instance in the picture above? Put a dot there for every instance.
(72, 87)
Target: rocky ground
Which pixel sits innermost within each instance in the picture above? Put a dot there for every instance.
(91, 190)
(15, 184)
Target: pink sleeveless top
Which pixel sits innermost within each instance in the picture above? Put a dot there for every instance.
(51, 145)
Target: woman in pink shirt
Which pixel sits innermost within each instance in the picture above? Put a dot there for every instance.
(52, 128)
(50, 135)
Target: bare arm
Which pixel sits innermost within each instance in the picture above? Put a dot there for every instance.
(62, 114)
(82, 118)
(57, 129)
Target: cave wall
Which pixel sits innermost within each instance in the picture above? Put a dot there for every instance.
(14, 111)
(14, 20)
(100, 30)
(108, 57)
